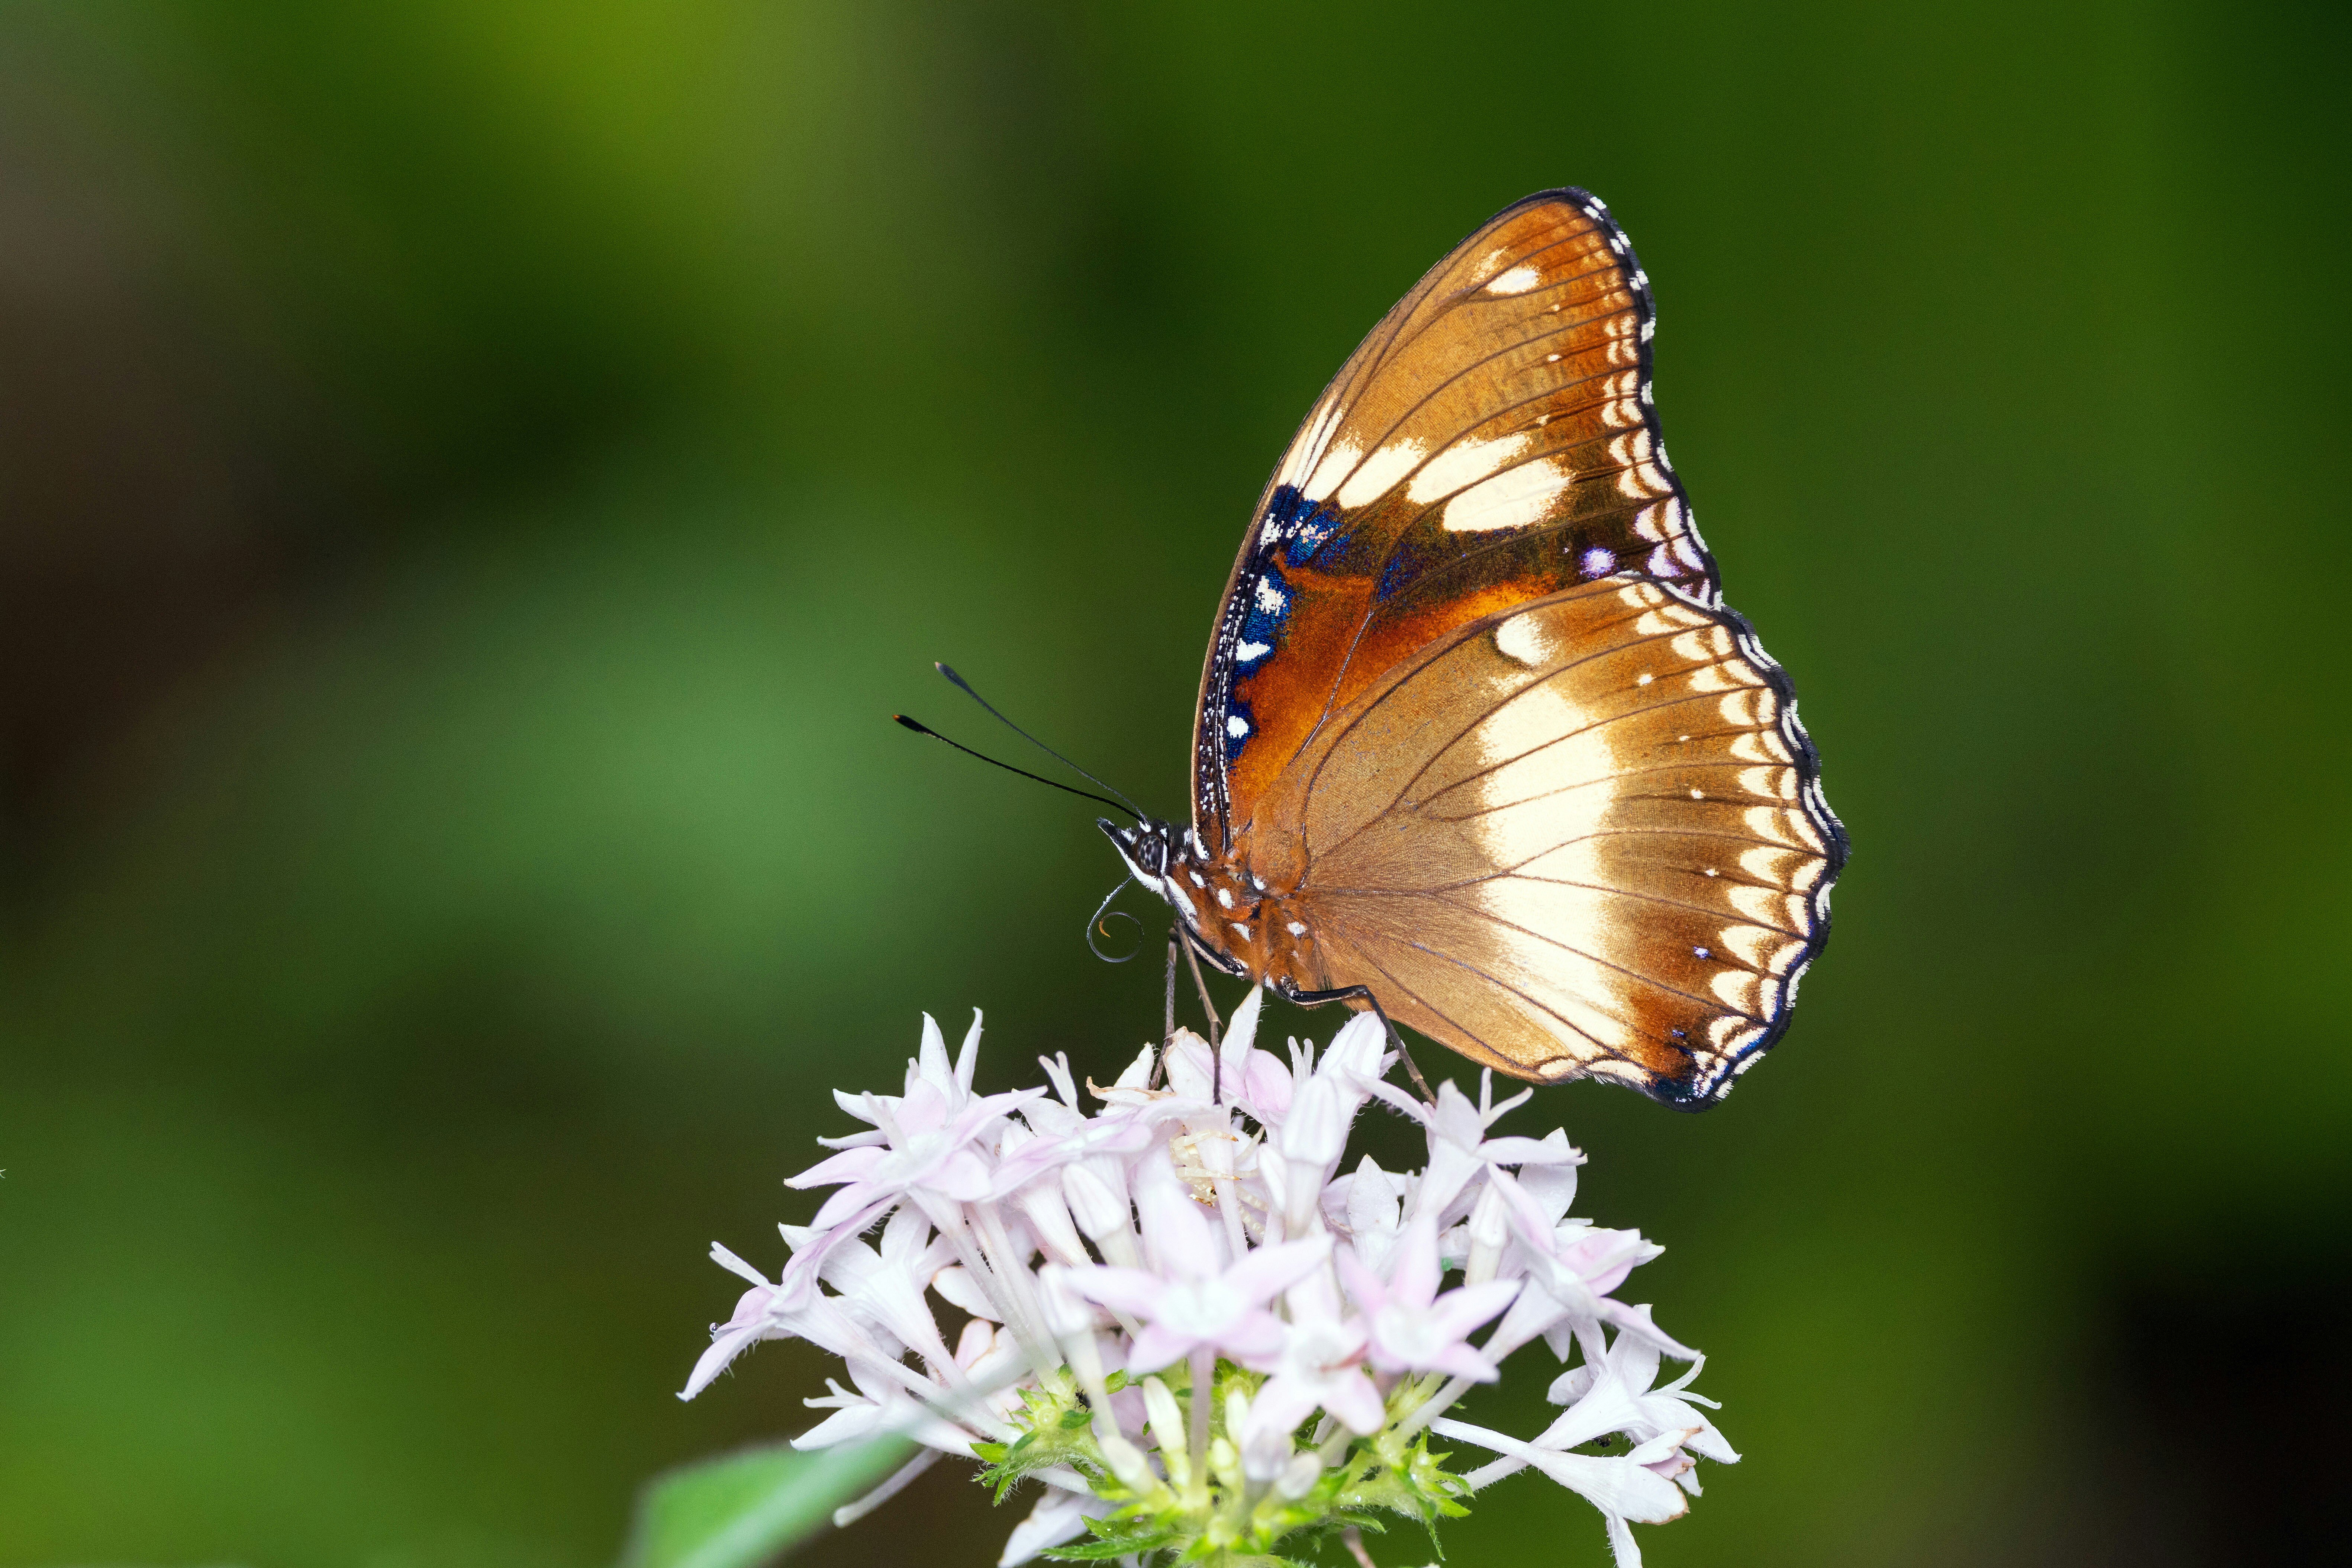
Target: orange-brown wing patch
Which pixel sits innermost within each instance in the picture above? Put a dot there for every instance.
(1585, 838)
(1491, 442)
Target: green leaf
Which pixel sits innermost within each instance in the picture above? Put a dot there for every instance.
(1103, 1551)
(750, 1507)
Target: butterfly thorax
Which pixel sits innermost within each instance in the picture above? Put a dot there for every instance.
(1240, 920)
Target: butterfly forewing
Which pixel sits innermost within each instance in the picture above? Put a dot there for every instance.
(1491, 441)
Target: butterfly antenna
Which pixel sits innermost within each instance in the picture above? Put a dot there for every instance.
(965, 687)
(921, 728)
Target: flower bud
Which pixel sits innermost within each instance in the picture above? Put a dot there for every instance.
(1093, 1204)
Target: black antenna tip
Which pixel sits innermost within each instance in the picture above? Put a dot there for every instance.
(911, 724)
(965, 687)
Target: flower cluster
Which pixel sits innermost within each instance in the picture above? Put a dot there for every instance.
(1192, 1326)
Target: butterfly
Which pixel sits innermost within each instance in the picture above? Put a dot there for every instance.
(1478, 742)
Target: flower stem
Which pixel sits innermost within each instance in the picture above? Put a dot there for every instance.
(1435, 1405)
(1205, 1392)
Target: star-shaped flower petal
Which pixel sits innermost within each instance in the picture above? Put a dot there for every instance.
(1413, 1328)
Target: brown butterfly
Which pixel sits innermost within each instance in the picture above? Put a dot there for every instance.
(1478, 743)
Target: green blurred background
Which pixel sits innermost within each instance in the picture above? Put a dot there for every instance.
(475, 479)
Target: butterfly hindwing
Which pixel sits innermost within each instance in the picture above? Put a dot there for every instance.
(1583, 837)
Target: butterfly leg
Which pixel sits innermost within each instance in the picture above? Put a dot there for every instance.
(1363, 994)
(1207, 1007)
(1169, 1012)
(1216, 1057)
(1410, 1065)
(1168, 1018)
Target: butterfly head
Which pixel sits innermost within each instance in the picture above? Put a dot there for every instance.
(1148, 847)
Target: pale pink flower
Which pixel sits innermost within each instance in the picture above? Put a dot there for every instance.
(777, 1311)
(925, 1145)
(1411, 1327)
(1571, 1268)
(1459, 1148)
(1320, 1366)
(1370, 1206)
(749, 1323)
(1637, 1488)
(1192, 1297)
(1058, 1516)
(1614, 1395)
(1203, 1221)
(1252, 1080)
(1325, 1099)
(884, 1288)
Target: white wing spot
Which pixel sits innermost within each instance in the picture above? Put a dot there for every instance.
(1236, 726)
(1517, 280)
(1646, 679)
(1373, 477)
(1250, 652)
(1294, 929)
(1701, 952)
(1696, 795)
(1522, 638)
(1196, 878)
(1512, 499)
(1270, 598)
(1711, 872)
(1241, 927)
(1225, 898)
(1462, 465)
(1336, 463)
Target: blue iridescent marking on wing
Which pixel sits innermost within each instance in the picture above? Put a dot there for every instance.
(1269, 606)
(1239, 727)
(1300, 526)
(1266, 601)
(1401, 566)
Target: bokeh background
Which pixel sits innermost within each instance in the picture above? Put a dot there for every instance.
(475, 478)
